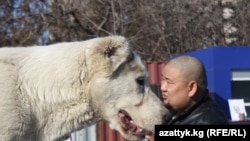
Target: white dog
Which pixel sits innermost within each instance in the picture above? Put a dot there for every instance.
(48, 92)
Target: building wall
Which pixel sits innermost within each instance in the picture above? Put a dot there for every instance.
(219, 62)
(86, 134)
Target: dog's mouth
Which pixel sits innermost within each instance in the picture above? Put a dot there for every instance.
(130, 126)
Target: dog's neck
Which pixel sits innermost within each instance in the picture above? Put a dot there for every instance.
(57, 119)
(63, 118)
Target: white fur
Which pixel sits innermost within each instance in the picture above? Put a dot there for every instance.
(47, 92)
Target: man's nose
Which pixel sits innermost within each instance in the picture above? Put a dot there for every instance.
(163, 87)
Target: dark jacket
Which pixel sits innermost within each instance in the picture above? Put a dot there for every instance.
(205, 112)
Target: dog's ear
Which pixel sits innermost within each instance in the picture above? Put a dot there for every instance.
(116, 51)
(110, 51)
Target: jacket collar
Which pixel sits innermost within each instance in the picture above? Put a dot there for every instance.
(188, 111)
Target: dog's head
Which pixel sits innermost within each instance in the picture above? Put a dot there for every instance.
(120, 90)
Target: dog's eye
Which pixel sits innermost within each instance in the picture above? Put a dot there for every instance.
(140, 81)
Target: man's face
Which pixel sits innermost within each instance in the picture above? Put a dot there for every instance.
(174, 89)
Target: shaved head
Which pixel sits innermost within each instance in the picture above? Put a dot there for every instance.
(191, 69)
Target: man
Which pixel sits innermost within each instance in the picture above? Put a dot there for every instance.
(184, 90)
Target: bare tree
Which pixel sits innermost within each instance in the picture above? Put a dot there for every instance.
(156, 29)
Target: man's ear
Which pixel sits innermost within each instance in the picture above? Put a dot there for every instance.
(192, 88)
